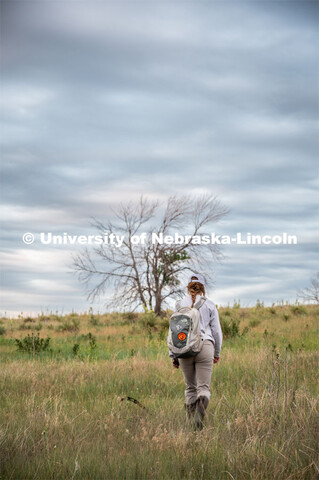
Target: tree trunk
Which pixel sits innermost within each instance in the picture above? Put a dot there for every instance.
(158, 304)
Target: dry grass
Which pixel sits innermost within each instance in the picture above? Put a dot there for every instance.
(62, 417)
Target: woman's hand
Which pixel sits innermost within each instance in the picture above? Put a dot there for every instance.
(175, 363)
(216, 359)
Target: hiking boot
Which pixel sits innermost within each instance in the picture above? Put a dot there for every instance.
(190, 409)
(200, 409)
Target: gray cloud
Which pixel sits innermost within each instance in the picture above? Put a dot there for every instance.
(104, 101)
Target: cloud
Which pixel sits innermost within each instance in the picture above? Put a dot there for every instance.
(103, 101)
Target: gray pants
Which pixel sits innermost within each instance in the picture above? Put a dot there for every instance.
(197, 372)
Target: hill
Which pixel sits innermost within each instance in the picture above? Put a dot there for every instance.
(65, 414)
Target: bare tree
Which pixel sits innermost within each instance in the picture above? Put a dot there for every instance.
(149, 273)
(311, 294)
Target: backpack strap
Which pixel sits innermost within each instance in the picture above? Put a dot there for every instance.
(200, 302)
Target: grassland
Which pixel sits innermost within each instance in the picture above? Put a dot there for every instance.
(63, 417)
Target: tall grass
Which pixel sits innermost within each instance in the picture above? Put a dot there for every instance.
(66, 416)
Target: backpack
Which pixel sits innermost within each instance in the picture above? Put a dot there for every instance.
(184, 336)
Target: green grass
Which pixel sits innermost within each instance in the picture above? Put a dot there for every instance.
(63, 417)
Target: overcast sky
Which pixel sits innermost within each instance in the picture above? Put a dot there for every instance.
(103, 101)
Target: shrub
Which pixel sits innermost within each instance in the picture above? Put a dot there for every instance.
(69, 326)
(130, 317)
(149, 319)
(2, 330)
(75, 349)
(92, 341)
(298, 310)
(29, 320)
(230, 327)
(33, 344)
(91, 338)
(286, 317)
(94, 321)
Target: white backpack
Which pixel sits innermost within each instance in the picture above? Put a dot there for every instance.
(184, 336)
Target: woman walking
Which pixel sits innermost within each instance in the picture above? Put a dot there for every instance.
(197, 370)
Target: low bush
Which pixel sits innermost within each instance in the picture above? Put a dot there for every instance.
(230, 327)
(91, 338)
(149, 319)
(130, 317)
(298, 310)
(94, 321)
(33, 344)
(92, 341)
(29, 320)
(72, 325)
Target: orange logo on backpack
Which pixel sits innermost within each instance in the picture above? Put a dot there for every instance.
(181, 336)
